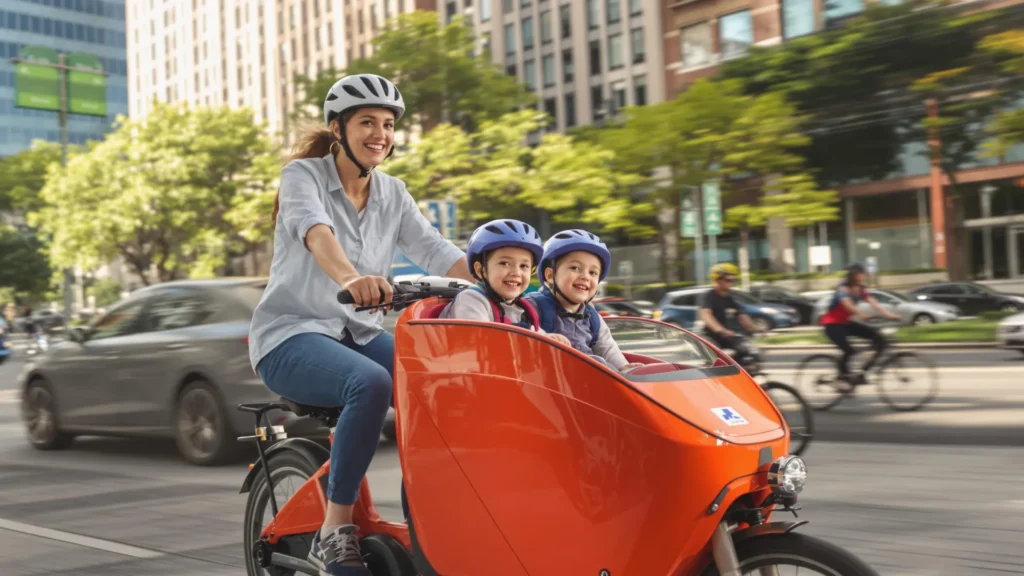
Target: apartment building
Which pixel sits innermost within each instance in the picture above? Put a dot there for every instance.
(246, 53)
(585, 59)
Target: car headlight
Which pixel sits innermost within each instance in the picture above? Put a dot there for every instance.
(767, 310)
(787, 475)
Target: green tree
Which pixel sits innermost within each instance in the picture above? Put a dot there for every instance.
(22, 176)
(713, 132)
(107, 291)
(437, 71)
(493, 174)
(156, 192)
(23, 263)
(1007, 48)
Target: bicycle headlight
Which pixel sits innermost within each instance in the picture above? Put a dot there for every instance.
(787, 475)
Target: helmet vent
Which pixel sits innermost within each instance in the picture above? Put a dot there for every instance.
(511, 226)
(384, 88)
(494, 229)
(353, 92)
(332, 96)
(563, 236)
(369, 85)
(398, 95)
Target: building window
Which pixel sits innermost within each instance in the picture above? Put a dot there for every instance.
(452, 10)
(695, 43)
(507, 6)
(618, 97)
(485, 44)
(530, 74)
(640, 91)
(524, 4)
(593, 14)
(527, 33)
(636, 40)
(615, 51)
(551, 107)
(567, 66)
(545, 27)
(614, 11)
(485, 10)
(510, 39)
(835, 9)
(510, 69)
(565, 15)
(570, 110)
(636, 7)
(548, 69)
(595, 57)
(797, 18)
(596, 104)
(736, 32)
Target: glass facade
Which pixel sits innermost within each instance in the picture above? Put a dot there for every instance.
(94, 27)
(894, 228)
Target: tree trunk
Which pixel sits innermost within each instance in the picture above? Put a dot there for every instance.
(745, 257)
(253, 258)
(956, 241)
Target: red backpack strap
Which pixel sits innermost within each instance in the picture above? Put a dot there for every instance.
(531, 312)
(495, 310)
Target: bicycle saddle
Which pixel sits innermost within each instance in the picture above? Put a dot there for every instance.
(313, 411)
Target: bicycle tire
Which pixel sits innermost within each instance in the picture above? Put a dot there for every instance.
(800, 382)
(930, 394)
(798, 439)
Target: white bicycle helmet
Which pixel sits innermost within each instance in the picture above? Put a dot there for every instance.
(361, 91)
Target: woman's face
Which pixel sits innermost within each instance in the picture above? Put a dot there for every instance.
(370, 133)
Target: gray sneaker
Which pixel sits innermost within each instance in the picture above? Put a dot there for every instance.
(335, 549)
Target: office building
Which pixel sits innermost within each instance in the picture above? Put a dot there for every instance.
(93, 27)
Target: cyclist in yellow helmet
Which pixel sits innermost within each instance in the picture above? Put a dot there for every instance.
(719, 309)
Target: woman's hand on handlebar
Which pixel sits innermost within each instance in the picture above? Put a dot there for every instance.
(369, 290)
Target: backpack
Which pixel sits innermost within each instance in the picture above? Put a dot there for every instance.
(532, 321)
(547, 310)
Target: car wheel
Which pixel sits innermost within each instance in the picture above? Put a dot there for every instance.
(923, 319)
(763, 324)
(200, 425)
(42, 422)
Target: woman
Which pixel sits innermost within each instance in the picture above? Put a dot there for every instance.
(337, 226)
(838, 325)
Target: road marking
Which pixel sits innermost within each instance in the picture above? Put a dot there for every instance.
(78, 539)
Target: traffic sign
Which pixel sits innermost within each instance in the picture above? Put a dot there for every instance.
(442, 214)
(712, 209)
(688, 224)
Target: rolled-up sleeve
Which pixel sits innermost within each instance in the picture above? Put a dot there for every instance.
(422, 243)
(300, 205)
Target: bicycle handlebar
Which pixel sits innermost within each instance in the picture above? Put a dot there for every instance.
(405, 293)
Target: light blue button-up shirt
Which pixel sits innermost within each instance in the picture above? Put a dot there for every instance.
(300, 297)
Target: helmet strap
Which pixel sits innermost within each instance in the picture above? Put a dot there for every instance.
(491, 292)
(363, 172)
(554, 288)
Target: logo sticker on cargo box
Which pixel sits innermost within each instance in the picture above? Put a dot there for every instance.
(730, 416)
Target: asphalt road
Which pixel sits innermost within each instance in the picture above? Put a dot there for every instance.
(129, 507)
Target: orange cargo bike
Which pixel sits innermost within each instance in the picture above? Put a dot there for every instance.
(523, 457)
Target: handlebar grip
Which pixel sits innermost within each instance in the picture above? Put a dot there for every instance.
(345, 297)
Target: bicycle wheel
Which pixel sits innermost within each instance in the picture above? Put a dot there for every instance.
(816, 377)
(907, 381)
(797, 413)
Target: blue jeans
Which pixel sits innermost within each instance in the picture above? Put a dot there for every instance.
(317, 370)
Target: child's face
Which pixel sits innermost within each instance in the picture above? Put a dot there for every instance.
(508, 271)
(577, 274)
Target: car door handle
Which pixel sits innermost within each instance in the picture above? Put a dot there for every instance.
(176, 346)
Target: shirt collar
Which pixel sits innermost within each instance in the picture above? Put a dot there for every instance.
(334, 181)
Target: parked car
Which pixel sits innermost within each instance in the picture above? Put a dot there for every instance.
(170, 360)
(682, 307)
(971, 298)
(778, 295)
(1011, 333)
(912, 311)
(44, 320)
(5, 350)
(616, 306)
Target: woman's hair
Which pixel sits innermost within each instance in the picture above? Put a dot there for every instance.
(314, 141)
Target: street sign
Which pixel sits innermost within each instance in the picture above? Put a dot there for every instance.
(712, 209)
(821, 255)
(626, 269)
(87, 92)
(688, 224)
(37, 79)
(442, 215)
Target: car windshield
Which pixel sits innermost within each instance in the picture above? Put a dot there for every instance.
(898, 295)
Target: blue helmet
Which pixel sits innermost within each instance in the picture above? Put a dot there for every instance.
(501, 234)
(570, 241)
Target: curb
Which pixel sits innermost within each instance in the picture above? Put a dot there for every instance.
(900, 345)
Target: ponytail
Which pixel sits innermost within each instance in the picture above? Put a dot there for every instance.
(314, 142)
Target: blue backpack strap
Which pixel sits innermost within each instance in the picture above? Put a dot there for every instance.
(546, 307)
(595, 324)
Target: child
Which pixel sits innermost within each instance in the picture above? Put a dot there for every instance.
(571, 266)
(502, 255)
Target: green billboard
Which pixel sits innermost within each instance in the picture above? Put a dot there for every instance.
(37, 86)
(87, 93)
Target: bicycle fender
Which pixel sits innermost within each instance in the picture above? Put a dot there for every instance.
(315, 453)
(766, 529)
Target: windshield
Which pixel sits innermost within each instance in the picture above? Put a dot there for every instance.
(898, 295)
(652, 340)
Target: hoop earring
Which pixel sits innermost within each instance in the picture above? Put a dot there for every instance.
(334, 151)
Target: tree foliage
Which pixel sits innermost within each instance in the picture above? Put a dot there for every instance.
(22, 176)
(161, 192)
(24, 266)
(437, 71)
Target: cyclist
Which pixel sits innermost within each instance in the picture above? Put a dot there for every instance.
(719, 310)
(838, 325)
(338, 223)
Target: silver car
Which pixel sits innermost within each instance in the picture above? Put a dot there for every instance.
(170, 360)
(913, 312)
(1011, 332)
